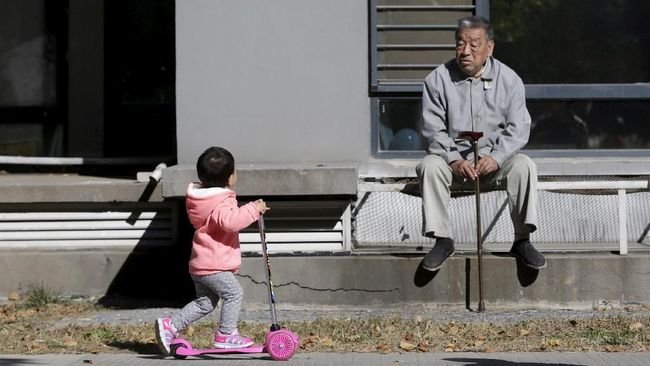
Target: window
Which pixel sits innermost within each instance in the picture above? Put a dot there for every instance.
(397, 128)
(574, 42)
(88, 78)
(589, 125)
(32, 75)
(587, 76)
(140, 78)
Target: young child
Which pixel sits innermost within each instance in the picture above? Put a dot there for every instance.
(213, 211)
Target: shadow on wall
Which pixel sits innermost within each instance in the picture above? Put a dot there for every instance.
(158, 275)
(525, 275)
(154, 275)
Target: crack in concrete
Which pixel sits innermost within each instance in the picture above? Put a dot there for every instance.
(340, 289)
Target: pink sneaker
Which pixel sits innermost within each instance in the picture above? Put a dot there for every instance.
(165, 332)
(233, 340)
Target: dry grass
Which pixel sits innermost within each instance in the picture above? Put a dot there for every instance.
(25, 329)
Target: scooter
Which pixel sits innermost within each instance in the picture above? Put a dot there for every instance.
(279, 343)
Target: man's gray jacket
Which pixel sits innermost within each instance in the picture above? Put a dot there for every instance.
(493, 103)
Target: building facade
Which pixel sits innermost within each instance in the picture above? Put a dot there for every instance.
(319, 103)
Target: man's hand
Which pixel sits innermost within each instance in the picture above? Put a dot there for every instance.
(486, 165)
(464, 168)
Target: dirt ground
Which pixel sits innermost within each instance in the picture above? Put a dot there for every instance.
(57, 326)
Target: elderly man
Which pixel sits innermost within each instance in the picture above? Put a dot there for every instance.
(476, 92)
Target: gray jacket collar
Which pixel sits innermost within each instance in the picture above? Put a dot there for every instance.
(457, 75)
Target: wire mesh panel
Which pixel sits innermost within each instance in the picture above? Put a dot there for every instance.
(638, 218)
(387, 218)
(573, 218)
(568, 220)
(394, 218)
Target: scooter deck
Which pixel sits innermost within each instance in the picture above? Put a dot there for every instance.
(184, 351)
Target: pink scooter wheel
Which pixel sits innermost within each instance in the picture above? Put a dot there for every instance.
(176, 345)
(280, 345)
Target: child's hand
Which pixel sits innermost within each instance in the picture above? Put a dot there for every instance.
(261, 206)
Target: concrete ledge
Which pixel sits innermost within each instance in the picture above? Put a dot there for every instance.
(569, 281)
(593, 166)
(24, 188)
(271, 179)
(560, 166)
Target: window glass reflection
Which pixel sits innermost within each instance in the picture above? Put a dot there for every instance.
(556, 125)
(398, 125)
(589, 125)
(573, 42)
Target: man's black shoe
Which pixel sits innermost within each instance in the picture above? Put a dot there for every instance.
(443, 249)
(526, 252)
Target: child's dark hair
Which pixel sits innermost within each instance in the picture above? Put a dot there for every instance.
(215, 166)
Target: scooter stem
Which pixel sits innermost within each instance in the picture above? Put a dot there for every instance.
(267, 272)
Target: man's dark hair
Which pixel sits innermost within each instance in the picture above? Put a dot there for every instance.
(215, 166)
(476, 22)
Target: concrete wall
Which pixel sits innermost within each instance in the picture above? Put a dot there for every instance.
(569, 281)
(273, 81)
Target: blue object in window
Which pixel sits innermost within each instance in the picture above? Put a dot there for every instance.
(406, 139)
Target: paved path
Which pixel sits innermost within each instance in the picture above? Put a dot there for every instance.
(352, 359)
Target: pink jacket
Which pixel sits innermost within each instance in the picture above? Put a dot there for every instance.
(217, 221)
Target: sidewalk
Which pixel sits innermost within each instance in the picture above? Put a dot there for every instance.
(352, 359)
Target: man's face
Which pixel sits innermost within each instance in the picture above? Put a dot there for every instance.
(472, 50)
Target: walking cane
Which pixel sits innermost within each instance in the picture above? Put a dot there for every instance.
(473, 137)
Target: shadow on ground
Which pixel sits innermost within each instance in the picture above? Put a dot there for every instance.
(142, 348)
(18, 362)
(495, 362)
